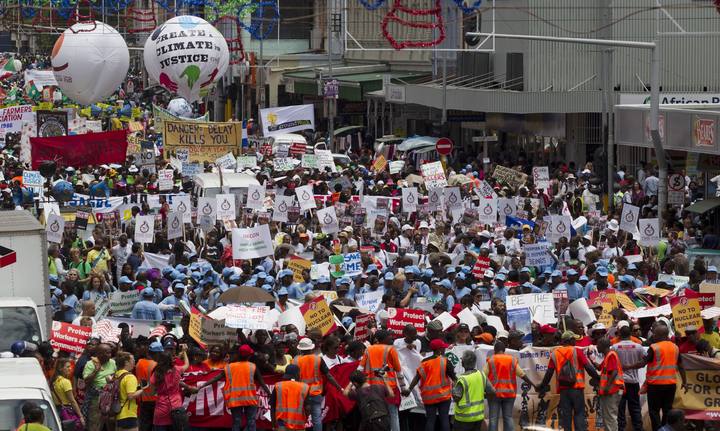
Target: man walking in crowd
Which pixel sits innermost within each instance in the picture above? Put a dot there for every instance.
(469, 395)
(629, 353)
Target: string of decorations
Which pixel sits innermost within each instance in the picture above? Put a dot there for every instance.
(428, 19)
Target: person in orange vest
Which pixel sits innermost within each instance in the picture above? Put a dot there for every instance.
(143, 370)
(436, 379)
(611, 384)
(502, 370)
(240, 390)
(381, 364)
(288, 401)
(312, 370)
(570, 363)
(663, 364)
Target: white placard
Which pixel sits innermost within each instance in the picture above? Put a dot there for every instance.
(281, 207)
(145, 229)
(54, 228)
(396, 166)
(649, 231)
(282, 164)
(245, 162)
(435, 198)
(325, 160)
(487, 211)
(255, 197)
(409, 199)
(207, 208)
(370, 301)
(174, 225)
(32, 179)
(252, 243)
(305, 197)
(166, 179)
(541, 305)
(434, 175)
(453, 198)
(467, 317)
(226, 162)
(579, 309)
(506, 207)
(225, 207)
(181, 204)
(123, 302)
(562, 226)
(240, 316)
(537, 254)
(446, 319)
(541, 177)
(629, 218)
(328, 220)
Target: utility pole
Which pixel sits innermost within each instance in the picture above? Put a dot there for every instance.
(654, 48)
(330, 101)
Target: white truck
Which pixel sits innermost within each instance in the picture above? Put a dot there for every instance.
(25, 311)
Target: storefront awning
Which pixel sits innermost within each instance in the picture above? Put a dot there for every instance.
(352, 87)
(704, 206)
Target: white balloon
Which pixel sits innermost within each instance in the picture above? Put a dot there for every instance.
(90, 60)
(180, 108)
(186, 55)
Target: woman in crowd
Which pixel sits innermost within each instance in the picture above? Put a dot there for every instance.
(63, 394)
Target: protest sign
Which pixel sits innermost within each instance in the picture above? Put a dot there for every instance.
(244, 317)
(685, 312)
(55, 226)
(80, 151)
(325, 160)
(396, 166)
(206, 408)
(509, 176)
(226, 162)
(69, 338)
(506, 207)
(281, 207)
(225, 207)
(317, 314)
(252, 243)
(12, 119)
(409, 199)
(309, 161)
(520, 319)
(282, 164)
(541, 177)
(181, 204)
(123, 302)
(487, 211)
(701, 397)
(605, 298)
(205, 142)
(380, 164)
(541, 305)
(174, 225)
(435, 198)
(328, 220)
(305, 197)
(353, 264)
(297, 265)
(537, 254)
(145, 229)
(32, 179)
(245, 162)
(481, 265)
(707, 287)
(649, 232)
(561, 301)
(399, 317)
(370, 300)
(625, 302)
(434, 175)
(446, 319)
(453, 198)
(675, 280)
(287, 119)
(165, 179)
(629, 217)
(362, 326)
(255, 197)
(160, 115)
(207, 207)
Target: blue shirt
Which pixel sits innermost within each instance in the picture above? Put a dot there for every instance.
(93, 295)
(589, 287)
(146, 310)
(71, 313)
(459, 293)
(173, 300)
(299, 290)
(501, 293)
(574, 290)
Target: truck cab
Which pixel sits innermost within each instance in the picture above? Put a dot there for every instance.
(19, 321)
(22, 380)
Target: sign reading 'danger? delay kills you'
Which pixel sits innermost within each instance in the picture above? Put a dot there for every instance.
(204, 141)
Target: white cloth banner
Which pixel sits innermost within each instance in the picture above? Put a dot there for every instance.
(252, 243)
(225, 207)
(487, 211)
(54, 228)
(629, 218)
(305, 197)
(281, 207)
(145, 229)
(255, 197)
(409, 199)
(287, 119)
(154, 260)
(174, 225)
(649, 231)
(328, 220)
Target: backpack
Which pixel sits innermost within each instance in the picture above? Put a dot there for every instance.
(568, 373)
(109, 400)
(373, 412)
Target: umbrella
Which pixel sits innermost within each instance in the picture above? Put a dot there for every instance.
(245, 294)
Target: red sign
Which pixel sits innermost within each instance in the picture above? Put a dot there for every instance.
(704, 132)
(7, 257)
(297, 149)
(206, 408)
(481, 265)
(707, 300)
(362, 331)
(444, 146)
(80, 150)
(266, 149)
(69, 338)
(399, 317)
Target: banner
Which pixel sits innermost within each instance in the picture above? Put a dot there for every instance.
(79, 151)
(287, 119)
(399, 317)
(700, 398)
(434, 175)
(206, 142)
(317, 314)
(160, 115)
(252, 243)
(241, 316)
(69, 338)
(51, 123)
(123, 302)
(206, 408)
(12, 119)
(41, 78)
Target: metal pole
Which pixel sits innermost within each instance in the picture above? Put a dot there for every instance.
(331, 102)
(261, 75)
(655, 131)
(606, 128)
(444, 81)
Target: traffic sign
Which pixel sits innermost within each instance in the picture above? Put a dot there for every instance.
(676, 182)
(444, 146)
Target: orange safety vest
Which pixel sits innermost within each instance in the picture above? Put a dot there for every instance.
(502, 375)
(567, 353)
(618, 384)
(290, 403)
(143, 371)
(376, 357)
(435, 386)
(310, 372)
(662, 370)
(239, 387)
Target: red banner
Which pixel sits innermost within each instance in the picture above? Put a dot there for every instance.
(399, 317)
(207, 407)
(80, 150)
(69, 338)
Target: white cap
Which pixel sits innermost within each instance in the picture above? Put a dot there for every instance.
(489, 273)
(598, 327)
(623, 324)
(424, 225)
(406, 227)
(501, 333)
(613, 225)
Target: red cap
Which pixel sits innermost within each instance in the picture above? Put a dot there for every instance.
(438, 344)
(246, 350)
(547, 329)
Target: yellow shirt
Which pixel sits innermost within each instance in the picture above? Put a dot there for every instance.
(281, 368)
(713, 338)
(102, 261)
(59, 391)
(128, 385)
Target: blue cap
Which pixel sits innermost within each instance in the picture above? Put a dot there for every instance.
(125, 280)
(205, 267)
(270, 279)
(372, 268)
(556, 273)
(142, 269)
(196, 275)
(156, 347)
(602, 271)
(167, 270)
(603, 262)
(466, 269)
(252, 282)
(389, 276)
(226, 272)
(547, 271)
(259, 268)
(500, 276)
(450, 270)
(235, 278)
(148, 291)
(194, 266)
(631, 266)
(283, 291)
(627, 279)
(347, 321)
(460, 276)
(572, 272)
(53, 278)
(412, 270)
(181, 268)
(266, 287)
(583, 278)
(175, 275)
(428, 273)
(284, 273)
(524, 269)
(179, 285)
(712, 268)
(56, 291)
(261, 275)
(323, 279)
(504, 271)
(446, 284)
(528, 285)
(345, 280)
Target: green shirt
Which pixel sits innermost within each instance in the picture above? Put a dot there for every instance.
(106, 371)
(713, 338)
